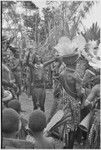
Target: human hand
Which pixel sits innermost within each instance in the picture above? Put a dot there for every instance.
(87, 103)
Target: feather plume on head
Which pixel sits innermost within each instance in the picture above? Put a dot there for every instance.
(65, 46)
(92, 52)
(96, 61)
(81, 42)
(92, 49)
(99, 52)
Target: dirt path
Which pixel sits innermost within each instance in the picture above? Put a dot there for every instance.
(27, 104)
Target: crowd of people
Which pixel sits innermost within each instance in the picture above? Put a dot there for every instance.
(76, 94)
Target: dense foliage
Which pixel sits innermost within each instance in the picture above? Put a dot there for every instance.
(22, 20)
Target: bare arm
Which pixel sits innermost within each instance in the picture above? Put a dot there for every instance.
(27, 61)
(78, 88)
(48, 62)
(53, 109)
(81, 67)
(57, 59)
(95, 92)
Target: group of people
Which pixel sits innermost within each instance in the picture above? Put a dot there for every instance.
(76, 87)
(15, 129)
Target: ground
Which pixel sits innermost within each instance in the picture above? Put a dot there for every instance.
(27, 106)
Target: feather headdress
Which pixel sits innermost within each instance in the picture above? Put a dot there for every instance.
(66, 46)
(96, 60)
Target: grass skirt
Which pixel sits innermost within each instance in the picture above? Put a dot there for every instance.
(72, 111)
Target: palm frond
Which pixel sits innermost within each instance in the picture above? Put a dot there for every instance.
(93, 33)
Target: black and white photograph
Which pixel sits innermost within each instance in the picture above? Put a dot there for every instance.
(50, 74)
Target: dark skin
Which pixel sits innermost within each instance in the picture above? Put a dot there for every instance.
(8, 84)
(7, 43)
(37, 60)
(71, 80)
(63, 80)
(45, 64)
(15, 71)
(37, 87)
(95, 92)
(63, 77)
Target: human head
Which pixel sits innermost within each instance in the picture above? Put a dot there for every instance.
(68, 50)
(10, 121)
(15, 104)
(37, 121)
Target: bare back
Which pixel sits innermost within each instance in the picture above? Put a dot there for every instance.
(45, 143)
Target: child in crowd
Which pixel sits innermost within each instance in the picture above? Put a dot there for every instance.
(37, 123)
(15, 104)
(10, 130)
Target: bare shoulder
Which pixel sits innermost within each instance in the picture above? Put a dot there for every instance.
(96, 88)
(17, 143)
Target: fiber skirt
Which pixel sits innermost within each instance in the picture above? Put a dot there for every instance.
(72, 111)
